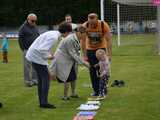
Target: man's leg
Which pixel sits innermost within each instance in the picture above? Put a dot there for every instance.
(43, 85)
(93, 74)
(94, 80)
(27, 71)
(34, 75)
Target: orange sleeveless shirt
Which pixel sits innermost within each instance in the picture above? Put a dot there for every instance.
(99, 29)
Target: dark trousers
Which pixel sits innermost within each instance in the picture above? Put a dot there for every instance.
(5, 56)
(91, 54)
(43, 82)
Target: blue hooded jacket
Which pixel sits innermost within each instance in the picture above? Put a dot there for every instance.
(5, 44)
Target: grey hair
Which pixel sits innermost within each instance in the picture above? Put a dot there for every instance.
(31, 15)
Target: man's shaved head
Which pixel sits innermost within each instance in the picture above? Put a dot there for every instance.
(92, 18)
(31, 15)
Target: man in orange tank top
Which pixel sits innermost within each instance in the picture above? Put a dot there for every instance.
(98, 37)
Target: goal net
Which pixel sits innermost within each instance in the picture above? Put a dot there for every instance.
(133, 22)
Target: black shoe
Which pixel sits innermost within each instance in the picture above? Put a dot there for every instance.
(29, 84)
(74, 96)
(94, 94)
(35, 84)
(1, 105)
(121, 83)
(115, 83)
(49, 106)
(65, 98)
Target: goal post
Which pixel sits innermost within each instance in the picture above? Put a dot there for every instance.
(157, 3)
(132, 18)
(102, 9)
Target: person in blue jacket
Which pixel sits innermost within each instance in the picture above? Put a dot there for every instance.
(4, 48)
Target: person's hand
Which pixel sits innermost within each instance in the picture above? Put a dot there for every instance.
(87, 64)
(85, 58)
(109, 58)
(96, 65)
(51, 57)
(52, 77)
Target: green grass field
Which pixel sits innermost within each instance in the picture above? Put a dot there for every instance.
(134, 62)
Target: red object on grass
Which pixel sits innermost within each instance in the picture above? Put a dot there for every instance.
(83, 118)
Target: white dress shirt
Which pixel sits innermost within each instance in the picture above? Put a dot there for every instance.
(40, 50)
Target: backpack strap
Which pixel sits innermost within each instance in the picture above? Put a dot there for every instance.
(87, 25)
(102, 27)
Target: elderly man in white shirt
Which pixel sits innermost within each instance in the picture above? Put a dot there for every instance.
(39, 53)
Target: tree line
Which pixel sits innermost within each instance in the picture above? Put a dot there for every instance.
(49, 12)
(14, 12)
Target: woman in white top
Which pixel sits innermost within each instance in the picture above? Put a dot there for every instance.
(39, 53)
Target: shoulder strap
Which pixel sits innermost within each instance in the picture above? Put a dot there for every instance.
(87, 25)
(102, 26)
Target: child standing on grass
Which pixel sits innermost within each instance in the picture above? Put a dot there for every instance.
(4, 48)
(103, 72)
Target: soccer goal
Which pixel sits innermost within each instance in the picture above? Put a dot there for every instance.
(132, 21)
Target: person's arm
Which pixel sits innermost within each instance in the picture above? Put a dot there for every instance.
(109, 44)
(74, 54)
(108, 37)
(83, 45)
(21, 38)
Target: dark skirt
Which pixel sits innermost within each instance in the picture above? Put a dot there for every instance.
(72, 76)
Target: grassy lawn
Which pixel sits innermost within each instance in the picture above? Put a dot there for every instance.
(134, 62)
